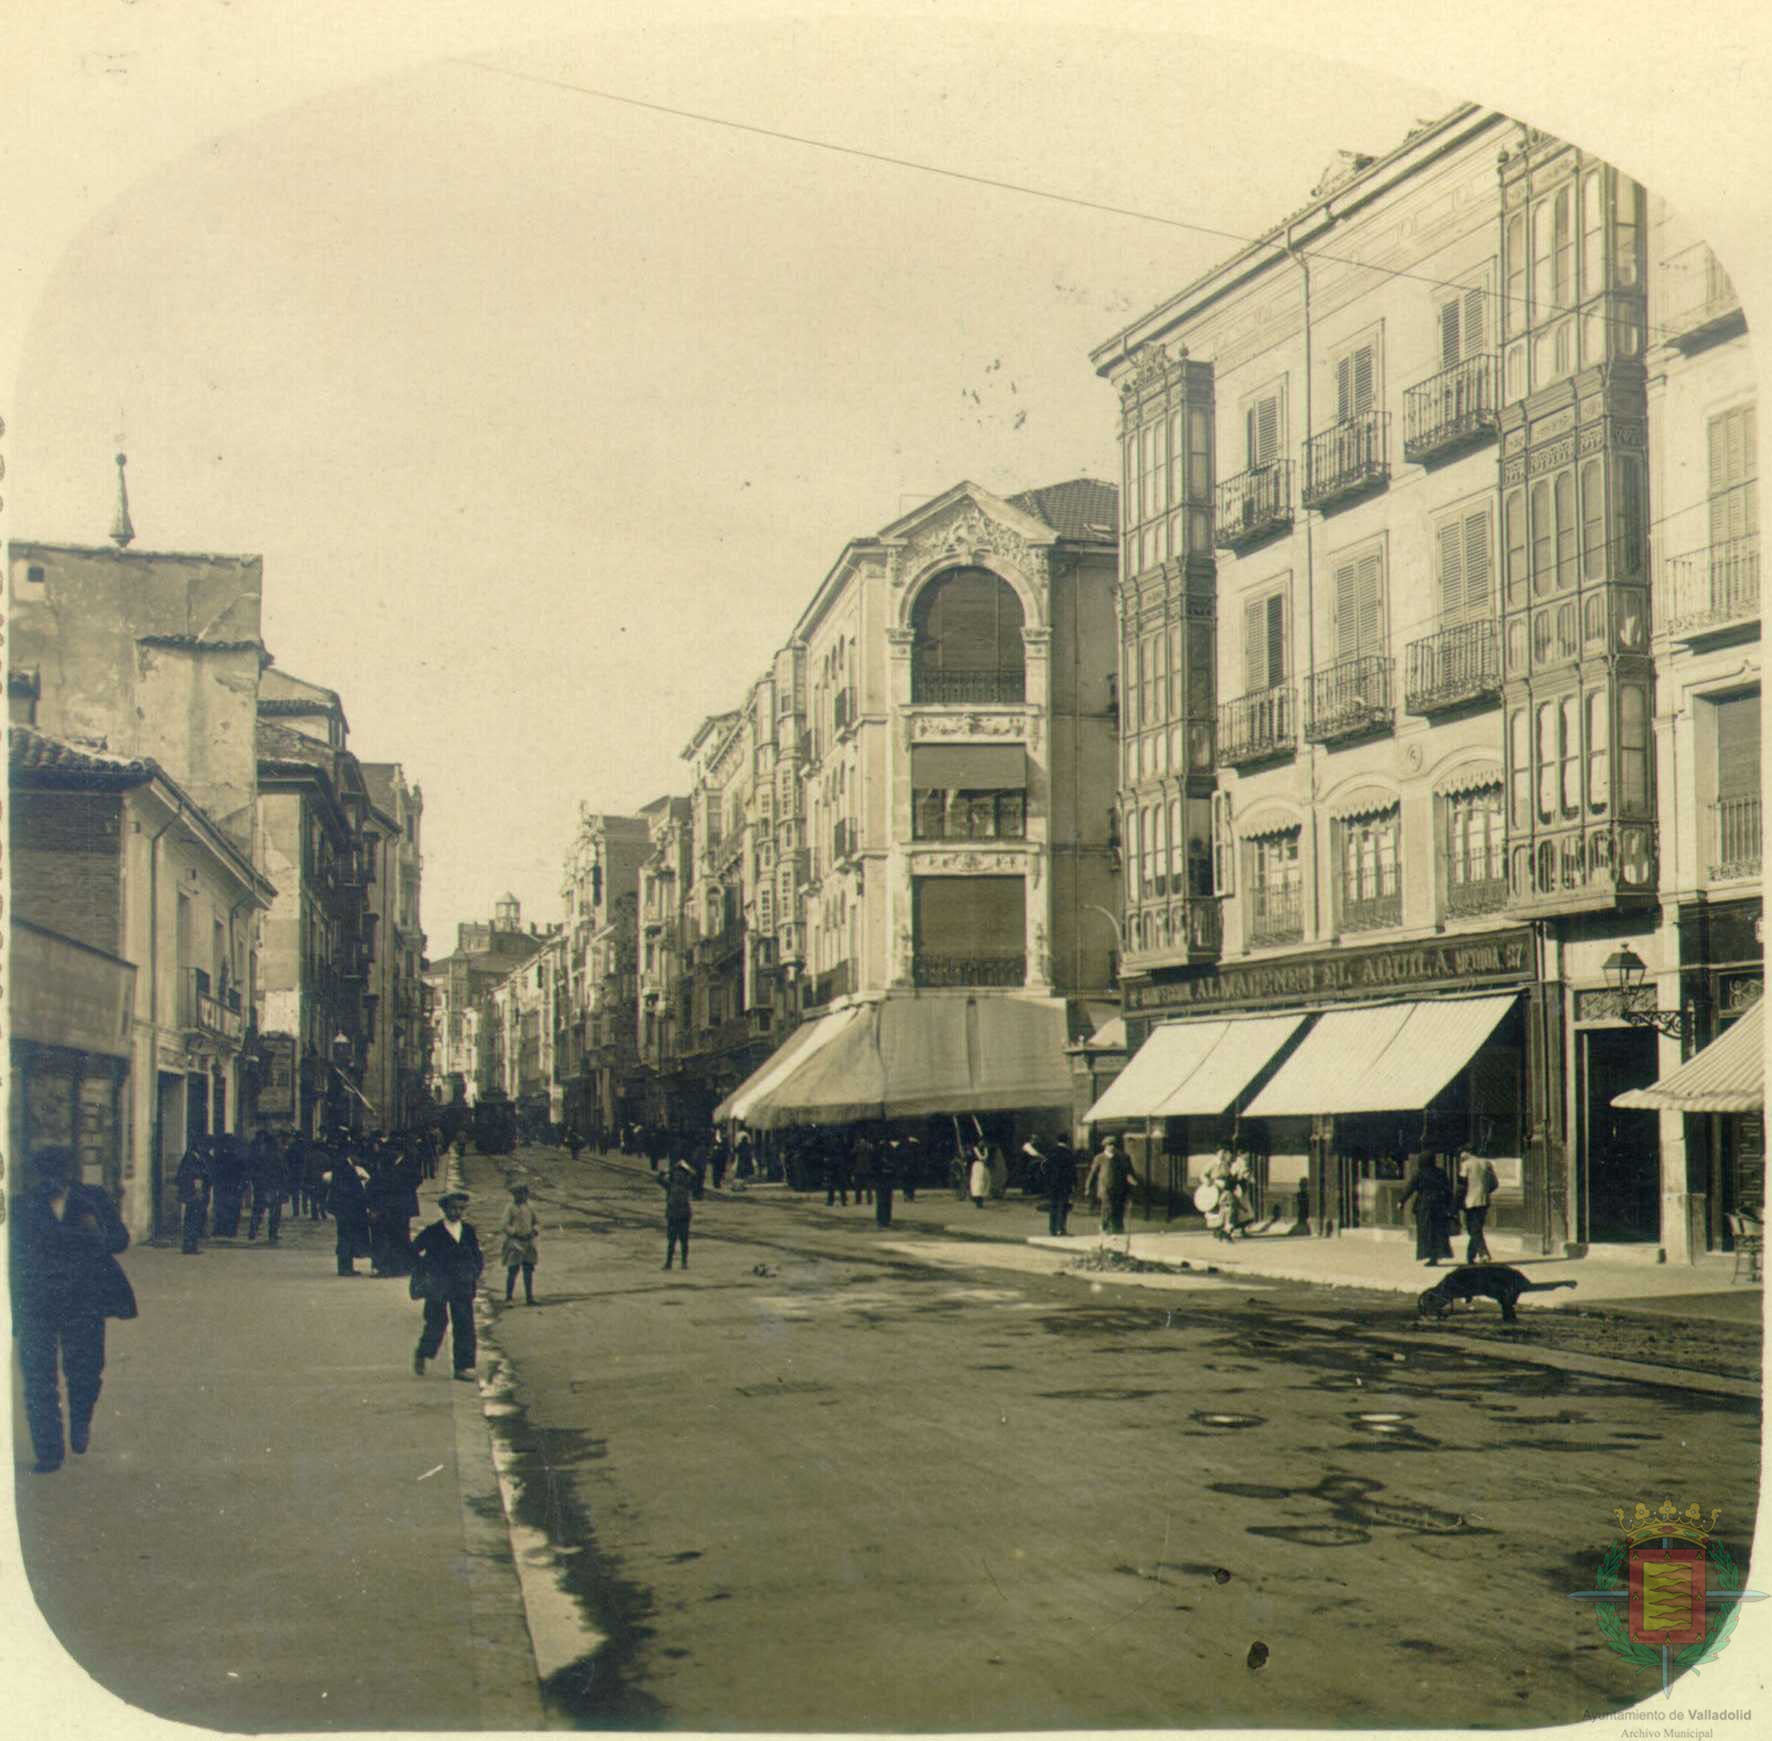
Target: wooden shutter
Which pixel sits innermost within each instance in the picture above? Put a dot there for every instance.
(1262, 431)
(1738, 747)
(1463, 326)
(1254, 646)
(1359, 605)
(1479, 562)
(1449, 553)
(1356, 376)
(1276, 639)
(1734, 470)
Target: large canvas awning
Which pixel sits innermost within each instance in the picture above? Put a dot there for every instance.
(1197, 1067)
(1387, 1058)
(1729, 1075)
(799, 1045)
(904, 1057)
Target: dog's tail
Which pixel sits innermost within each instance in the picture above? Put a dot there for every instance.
(1539, 1287)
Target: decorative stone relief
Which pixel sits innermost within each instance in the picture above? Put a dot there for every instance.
(927, 726)
(931, 861)
(967, 533)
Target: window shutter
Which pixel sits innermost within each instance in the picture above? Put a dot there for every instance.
(1344, 389)
(1478, 562)
(1254, 647)
(1224, 846)
(1371, 600)
(1264, 431)
(1738, 747)
(1359, 606)
(1365, 377)
(1346, 610)
(1734, 505)
(1450, 550)
(1476, 325)
(1451, 345)
(1276, 639)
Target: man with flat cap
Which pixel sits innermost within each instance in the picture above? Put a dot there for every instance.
(448, 1264)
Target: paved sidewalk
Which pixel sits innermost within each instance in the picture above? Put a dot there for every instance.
(278, 1527)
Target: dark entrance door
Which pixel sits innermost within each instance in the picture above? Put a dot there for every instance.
(1622, 1147)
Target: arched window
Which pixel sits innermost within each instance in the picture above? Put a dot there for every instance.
(968, 646)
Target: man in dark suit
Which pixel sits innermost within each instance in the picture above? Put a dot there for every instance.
(449, 1264)
(65, 1282)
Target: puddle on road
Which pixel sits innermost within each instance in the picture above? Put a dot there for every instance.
(1231, 1421)
(1099, 1393)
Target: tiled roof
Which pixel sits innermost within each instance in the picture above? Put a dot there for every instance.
(1080, 508)
(197, 644)
(273, 706)
(31, 754)
(277, 743)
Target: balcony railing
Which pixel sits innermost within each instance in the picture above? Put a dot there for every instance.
(202, 1012)
(1698, 299)
(1735, 838)
(1379, 913)
(1180, 928)
(834, 983)
(1349, 699)
(969, 687)
(1455, 666)
(1347, 460)
(1475, 896)
(1450, 410)
(1254, 505)
(938, 970)
(1276, 916)
(1712, 589)
(1258, 726)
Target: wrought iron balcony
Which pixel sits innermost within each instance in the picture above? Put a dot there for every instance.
(1379, 913)
(966, 687)
(1735, 838)
(1451, 410)
(1276, 915)
(1475, 896)
(202, 1012)
(1254, 505)
(929, 969)
(1708, 590)
(1452, 667)
(1349, 699)
(1698, 299)
(1257, 727)
(1177, 929)
(1347, 460)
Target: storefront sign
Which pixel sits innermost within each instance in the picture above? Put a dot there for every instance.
(276, 1090)
(1345, 973)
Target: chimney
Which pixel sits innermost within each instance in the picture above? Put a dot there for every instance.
(122, 530)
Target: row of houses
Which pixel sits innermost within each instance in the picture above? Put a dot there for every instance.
(215, 903)
(1374, 768)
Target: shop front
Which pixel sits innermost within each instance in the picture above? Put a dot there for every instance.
(1330, 1070)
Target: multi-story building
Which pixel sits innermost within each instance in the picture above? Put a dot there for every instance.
(662, 984)
(132, 968)
(399, 1059)
(516, 1032)
(1387, 781)
(595, 1052)
(949, 690)
(462, 1044)
(320, 940)
(1704, 484)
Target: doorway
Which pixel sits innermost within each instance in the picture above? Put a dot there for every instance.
(1621, 1147)
(169, 1141)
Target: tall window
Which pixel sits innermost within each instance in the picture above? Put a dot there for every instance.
(1465, 565)
(977, 815)
(1370, 886)
(1276, 889)
(1462, 318)
(1356, 380)
(1166, 479)
(1264, 642)
(1735, 823)
(1734, 476)
(968, 645)
(1263, 429)
(1474, 851)
(1359, 604)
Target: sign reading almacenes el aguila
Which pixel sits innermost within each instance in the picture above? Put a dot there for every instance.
(1498, 955)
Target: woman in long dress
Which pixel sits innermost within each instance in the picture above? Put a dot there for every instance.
(1432, 1193)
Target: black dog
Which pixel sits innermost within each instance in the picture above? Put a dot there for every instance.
(1491, 1281)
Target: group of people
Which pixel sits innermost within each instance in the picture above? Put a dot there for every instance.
(1225, 1195)
(1440, 1197)
(367, 1185)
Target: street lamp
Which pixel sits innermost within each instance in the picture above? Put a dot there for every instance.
(1625, 970)
(1119, 936)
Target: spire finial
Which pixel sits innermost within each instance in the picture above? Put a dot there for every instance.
(122, 530)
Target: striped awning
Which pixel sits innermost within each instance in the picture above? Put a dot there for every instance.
(1388, 1058)
(1195, 1068)
(1729, 1075)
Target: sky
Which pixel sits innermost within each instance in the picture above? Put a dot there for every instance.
(548, 412)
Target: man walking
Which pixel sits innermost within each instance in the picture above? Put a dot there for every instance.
(1060, 1172)
(192, 1182)
(348, 1201)
(1110, 1179)
(65, 1282)
(449, 1264)
(268, 1178)
(1477, 1183)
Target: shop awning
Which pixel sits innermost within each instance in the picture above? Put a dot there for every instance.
(905, 1057)
(742, 1100)
(969, 767)
(1197, 1068)
(1729, 1075)
(1389, 1058)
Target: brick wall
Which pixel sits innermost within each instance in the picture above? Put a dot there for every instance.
(67, 864)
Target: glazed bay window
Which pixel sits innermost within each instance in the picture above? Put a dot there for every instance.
(1473, 851)
(974, 815)
(1369, 879)
(1166, 461)
(1275, 889)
